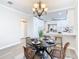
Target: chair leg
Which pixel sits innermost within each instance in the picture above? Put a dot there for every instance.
(33, 56)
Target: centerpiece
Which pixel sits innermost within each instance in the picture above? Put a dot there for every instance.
(41, 35)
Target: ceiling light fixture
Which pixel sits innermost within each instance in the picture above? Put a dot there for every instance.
(39, 8)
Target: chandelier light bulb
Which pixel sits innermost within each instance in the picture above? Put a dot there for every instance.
(46, 9)
(36, 5)
(33, 9)
(43, 5)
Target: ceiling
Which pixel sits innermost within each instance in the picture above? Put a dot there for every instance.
(55, 16)
(26, 5)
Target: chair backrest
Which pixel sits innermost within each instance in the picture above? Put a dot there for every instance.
(65, 49)
(58, 40)
(28, 41)
(28, 52)
(58, 52)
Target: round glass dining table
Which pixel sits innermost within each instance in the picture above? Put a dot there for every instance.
(42, 46)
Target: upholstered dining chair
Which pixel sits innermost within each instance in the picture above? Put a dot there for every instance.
(58, 40)
(29, 53)
(28, 41)
(58, 53)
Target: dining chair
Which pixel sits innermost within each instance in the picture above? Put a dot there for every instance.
(58, 40)
(65, 49)
(29, 53)
(58, 43)
(28, 41)
(58, 53)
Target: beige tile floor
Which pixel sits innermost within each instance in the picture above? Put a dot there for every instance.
(16, 52)
(69, 55)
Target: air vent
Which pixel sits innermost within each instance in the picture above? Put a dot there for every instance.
(10, 2)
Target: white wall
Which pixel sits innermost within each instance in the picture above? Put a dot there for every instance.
(12, 27)
(71, 20)
(60, 24)
(37, 26)
(10, 32)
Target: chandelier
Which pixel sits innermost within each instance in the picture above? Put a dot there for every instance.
(39, 8)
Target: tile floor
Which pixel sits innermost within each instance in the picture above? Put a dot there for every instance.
(70, 55)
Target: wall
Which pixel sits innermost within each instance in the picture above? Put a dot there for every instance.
(37, 26)
(10, 32)
(13, 27)
(60, 24)
(71, 20)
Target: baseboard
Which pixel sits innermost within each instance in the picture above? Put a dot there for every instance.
(10, 45)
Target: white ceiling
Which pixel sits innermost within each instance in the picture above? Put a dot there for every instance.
(26, 5)
(55, 16)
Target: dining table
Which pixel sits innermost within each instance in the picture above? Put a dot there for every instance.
(41, 47)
